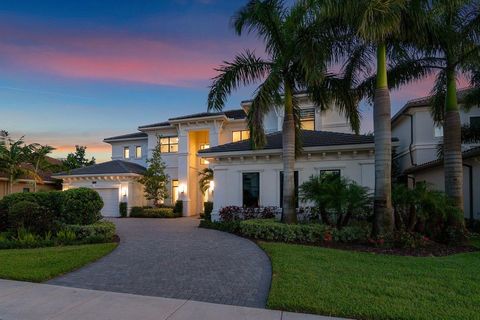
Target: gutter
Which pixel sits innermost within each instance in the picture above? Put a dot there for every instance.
(410, 147)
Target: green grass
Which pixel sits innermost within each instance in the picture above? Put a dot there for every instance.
(41, 264)
(369, 286)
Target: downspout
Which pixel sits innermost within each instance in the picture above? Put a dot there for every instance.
(410, 147)
(470, 191)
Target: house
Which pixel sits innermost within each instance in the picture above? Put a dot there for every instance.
(219, 140)
(26, 183)
(416, 154)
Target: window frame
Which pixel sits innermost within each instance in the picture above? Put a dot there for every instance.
(437, 130)
(169, 144)
(204, 146)
(242, 133)
(326, 171)
(257, 204)
(311, 118)
(174, 184)
(126, 152)
(136, 152)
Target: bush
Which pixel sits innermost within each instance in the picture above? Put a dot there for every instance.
(66, 236)
(232, 213)
(231, 226)
(81, 206)
(207, 210)
(138, 212)
(354, 233)
(102, 231)
(123, 209)
(30, 216)
(178, 208)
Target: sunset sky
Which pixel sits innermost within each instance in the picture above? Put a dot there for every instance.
(75, 72)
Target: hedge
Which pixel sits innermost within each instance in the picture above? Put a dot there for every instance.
(141, 212)
(102, 231)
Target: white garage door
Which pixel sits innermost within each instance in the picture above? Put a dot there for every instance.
(110, 202)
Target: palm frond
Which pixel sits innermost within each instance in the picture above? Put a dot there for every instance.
(244, 70)
(438, 93)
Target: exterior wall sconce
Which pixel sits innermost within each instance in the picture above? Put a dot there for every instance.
(124, 191)
(182, 188)
(212, 185)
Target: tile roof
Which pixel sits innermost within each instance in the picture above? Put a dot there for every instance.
(111, 167)
(139, 135)
(309, 139)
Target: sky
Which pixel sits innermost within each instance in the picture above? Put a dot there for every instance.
(76, 72)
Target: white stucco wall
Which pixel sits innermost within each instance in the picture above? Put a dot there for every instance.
(118, 147)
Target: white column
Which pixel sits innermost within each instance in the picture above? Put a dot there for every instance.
(183, 166)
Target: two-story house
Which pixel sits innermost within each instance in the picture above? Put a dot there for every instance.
(219, 140)
(417, 157)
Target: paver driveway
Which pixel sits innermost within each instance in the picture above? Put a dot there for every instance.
(174, 258)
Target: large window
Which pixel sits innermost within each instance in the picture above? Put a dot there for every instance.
(307, 118)
(126, 153)
(334, 172)
(169, 144)
(203, 147)
(240, 135)
(174, 191)
(138, 152)
(251, 189)
(475, 122)
(295, 179)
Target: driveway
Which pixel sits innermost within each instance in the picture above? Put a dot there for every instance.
(173, 258)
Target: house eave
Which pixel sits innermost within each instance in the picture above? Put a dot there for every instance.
(63, 177)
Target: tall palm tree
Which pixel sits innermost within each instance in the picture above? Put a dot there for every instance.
(373, 27)
(36, 156)
(447, 45)
(297, 56)
(12, 160)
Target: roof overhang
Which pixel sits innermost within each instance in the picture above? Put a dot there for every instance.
(67, 176)
(199, 119)
(125, 139)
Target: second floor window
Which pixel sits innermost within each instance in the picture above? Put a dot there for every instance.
(126, 153)
(138, 152)
(307, 118)
(203, 147)
(438, 132)
(169, 144)
(240, 135)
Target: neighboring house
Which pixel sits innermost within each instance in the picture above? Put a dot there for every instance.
(25, 183)
(416, 155)
(242, 176)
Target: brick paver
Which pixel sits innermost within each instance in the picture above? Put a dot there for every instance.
(174, 258)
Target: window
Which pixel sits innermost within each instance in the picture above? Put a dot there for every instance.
(295, 179)
(241, 135)
(169, 144)
(126, 153)
(475, 122)
(307, 118)
(438, 131)
(138, 152)
(26, 189)
(174, 191)
(203, 147)
(335, 172)
(251, 189)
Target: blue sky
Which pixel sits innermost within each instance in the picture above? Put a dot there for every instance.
(75, 72)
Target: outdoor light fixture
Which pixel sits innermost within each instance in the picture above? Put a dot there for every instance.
(212, 185)
(182, 188)
(124, 191)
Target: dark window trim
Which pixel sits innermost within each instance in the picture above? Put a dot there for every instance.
(243, 189)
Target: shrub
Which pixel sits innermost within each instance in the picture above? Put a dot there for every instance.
(123, 207)
(207, 210)
(66, 236)
(81, 206)
(29, 215)
(231, 226)
(178, 208)
(354, 233)
(153, 213)
(26, 239)
(232, 213)
(136, 211)
(405, 239)
(102, 231)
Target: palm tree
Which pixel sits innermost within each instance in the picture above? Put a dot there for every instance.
(36, 156)
(373, 29)
(297, 56)
(12, 160)
(447, 45)
(206, 175)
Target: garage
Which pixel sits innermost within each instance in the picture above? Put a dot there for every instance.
(110, 202)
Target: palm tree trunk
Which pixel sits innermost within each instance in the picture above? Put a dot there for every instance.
(452, 144)
(383, 213)
(289, 213)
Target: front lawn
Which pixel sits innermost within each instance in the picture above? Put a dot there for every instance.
(370, 286)
(41, 264)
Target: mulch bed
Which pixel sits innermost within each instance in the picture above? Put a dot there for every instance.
(433, 249)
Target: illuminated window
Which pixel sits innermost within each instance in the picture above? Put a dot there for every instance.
(169, 144)
(138, 152)
(307, 118)
(203, 147)
(126, 153)
(174, 191)
(241, 135)
(438, 131)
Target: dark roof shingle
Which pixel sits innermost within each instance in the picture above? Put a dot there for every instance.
(138, 135)
(110, 167)
(309, 139)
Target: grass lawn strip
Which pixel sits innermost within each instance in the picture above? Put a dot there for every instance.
(370, 286)
(41, 264)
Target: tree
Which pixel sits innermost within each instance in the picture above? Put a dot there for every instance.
(297, 56)
(155, 179)
(36, 156)
(12, 160)
(78, 159)
(206, 175)
(373, 29)
(447, 45)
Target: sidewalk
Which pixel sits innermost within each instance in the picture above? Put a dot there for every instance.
(32, 301)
